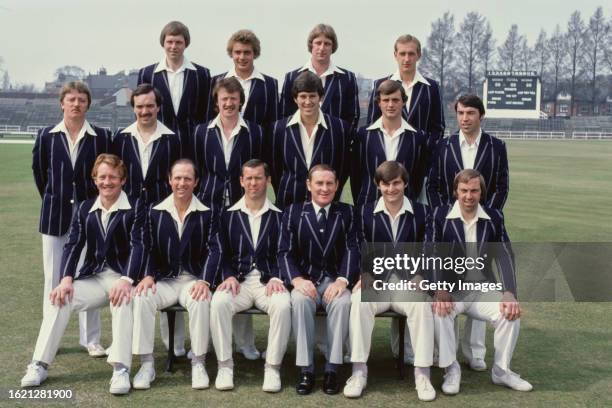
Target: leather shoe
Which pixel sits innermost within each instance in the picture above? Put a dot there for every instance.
(330, 383)
(305, 383)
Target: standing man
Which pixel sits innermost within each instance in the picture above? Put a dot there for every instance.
(423, 109)
(183, 258)
(341, 96)
(475, 231)
(318, 254)
(110, 227)
(250, 276)
(184, 86)
(62, 160)
(471, 148)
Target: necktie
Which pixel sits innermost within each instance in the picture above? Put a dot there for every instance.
(322, 218)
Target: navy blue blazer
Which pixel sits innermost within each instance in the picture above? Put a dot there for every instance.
(285, 154)
(262, 104)
(369, 153)
(341, 97)
(120, 248)
(198, 251)
(240, 254)
(215, 176)
(440, 229)
(154, 186)
(192, 108)
(491, 161)
(304, 251)
(424, 113)
(59, 184)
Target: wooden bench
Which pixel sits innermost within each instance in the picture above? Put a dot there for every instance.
(172, 310)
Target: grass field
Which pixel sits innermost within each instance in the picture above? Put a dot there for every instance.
(560, 191)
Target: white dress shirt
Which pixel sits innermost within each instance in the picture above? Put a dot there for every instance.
(145, 149)
(228, 142)
(176, 80)
(307, 141)
(122, 203)
(394, 221)
(391, 141)
(409, 86)
(169, 206)
(73, 147)
(468, 151)
(245, 83)
(330, 71)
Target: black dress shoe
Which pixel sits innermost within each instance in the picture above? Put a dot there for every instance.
(330, 383)
(305, 383)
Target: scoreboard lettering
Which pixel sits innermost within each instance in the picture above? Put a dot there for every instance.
(511, 90)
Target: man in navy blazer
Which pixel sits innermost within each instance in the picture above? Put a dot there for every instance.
(303, 140)
(260, 90)
(318, 254)
(477, 232)
(394, 218)
(341, 96)
(109, 226)
(184, 254)
(423, 109)
(62, 159)
(390, 137)
(184, 86)
(250, 276)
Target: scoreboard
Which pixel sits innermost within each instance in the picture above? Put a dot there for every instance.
(512, 94)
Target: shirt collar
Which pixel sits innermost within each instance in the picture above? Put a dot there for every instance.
(463, 140)
(254, 75)
(317, 208)
(163, 66)
(168, 205)
(418, 77)
(217, 122)
(297, 119)
(241, 206)
(160, 130)
(330, 70)
(381, 207)
(122, 203)
(61, 127)
(379, 125)
(455, 212)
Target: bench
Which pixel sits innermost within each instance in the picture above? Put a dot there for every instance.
(172, 310)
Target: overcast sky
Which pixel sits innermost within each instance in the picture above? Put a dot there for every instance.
(38, 36)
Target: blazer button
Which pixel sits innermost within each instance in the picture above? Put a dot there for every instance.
(254, 265)
(144, 189)
(71, 201)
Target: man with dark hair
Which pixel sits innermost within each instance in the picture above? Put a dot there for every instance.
(341, 98)
(318, 254)
(62, 159)
(307, 138)
(185, 86)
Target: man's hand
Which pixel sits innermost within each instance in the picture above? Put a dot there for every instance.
(231, 284)
(274, 286)
(144, 285)
(357, 286)
(442, 303)
(62, 293)
(305, 286)
(509, 306)
(199, 291)
(121, 289)
(334, 290)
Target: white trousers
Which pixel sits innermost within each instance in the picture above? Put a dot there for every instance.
(481, 306)
(53, 248)
(89, 293)
(473, 339)
(169, 292)
(252, 292)
(419, 319)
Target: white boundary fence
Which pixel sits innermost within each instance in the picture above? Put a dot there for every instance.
(592, 135)
(528, 135)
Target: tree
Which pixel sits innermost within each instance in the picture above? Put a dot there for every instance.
(6, 81)
(468, 43)
(68, 72)
(438, 56)
(574, 39)
(594, 43)
(558, 59)
(509, 51)
(608, 46)
(487, 48)
(540, 53)
(525, 55)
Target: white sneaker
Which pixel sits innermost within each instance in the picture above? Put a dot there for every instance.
(452, 380)
(190, 355)
(425, 390)
(144, 377)
(250, 352)
(355, 385)
(180, 352)
(478, 364)
(34, 376)
(96, 350)
(199, 377)
(225, 379)
(272, 380)
(511, 380)
(120, 382)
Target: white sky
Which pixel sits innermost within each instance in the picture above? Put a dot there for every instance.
(38, 36)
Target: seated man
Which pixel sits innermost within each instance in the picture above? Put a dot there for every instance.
(109, 226)
(393, 218)
(480, 232)
(183, 258)
(249, 234)
(318, 253)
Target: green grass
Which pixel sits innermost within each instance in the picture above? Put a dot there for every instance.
(560, 191)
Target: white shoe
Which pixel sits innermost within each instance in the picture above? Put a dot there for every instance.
(452, 380)
(272, 380)
(34, 376)
(225, 379)
(250, 352)
(478, 364)
(346, 358)
(199, 377)
(425, 390)
(190, 355)
(355, 385)
(179, 352)
(144, 377)
(96, 350)
(511, 380)
(120, 382)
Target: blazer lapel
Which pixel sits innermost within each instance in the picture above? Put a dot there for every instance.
(164, 87)
(236, 153)
(297, 142)
(114, 219)
(219, 137)
(482, 152)
(154, 149)
(482, 233)
(331, 229)
(263, 229)
(456, 151)
(457, 227)
(188, 224)
(187, 88)
(329, 89)
(136, 152)
(246, 227)
(384, 220)
(84, 144)
(319, 136)
(414, 100)
(311, 221)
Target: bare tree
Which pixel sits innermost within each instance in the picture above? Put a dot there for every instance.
(68, 72)
(574, 39)
(540, 53)
(487, 48)
(594, 43)
(608, 46)
(6, 81)
(510, 50)
(525, 55)
(468, 43)
(558, 58)
(438, 56)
